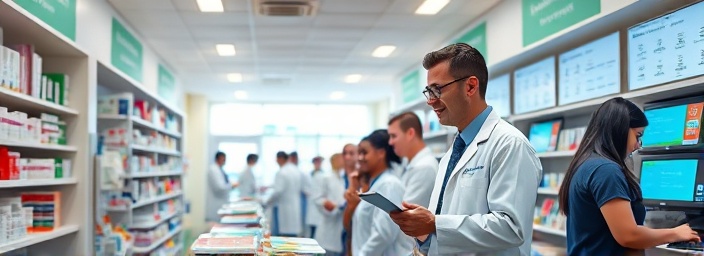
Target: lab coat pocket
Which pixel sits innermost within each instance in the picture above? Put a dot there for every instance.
(473, 178)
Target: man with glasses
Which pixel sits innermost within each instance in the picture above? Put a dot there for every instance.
(485, 190)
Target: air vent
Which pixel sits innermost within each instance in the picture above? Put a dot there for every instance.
(275, 79)
(286, 8)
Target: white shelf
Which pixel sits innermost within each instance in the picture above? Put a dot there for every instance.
(37, 183)
(35, 238)
(144, 123)
(16, 101)
(153, 224)
(548, 230)
(156, 199)
(154, 174)
(156, 244)
(548, 191)
(50, 147)
(111, 117)
(20, 26)
(436, 134)
(556, 154)
(156, 150)
(115, 79)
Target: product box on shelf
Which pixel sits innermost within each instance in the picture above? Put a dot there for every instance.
(13, 215)
(10, 69)
(59, 92)
(117, 104)
(46, 208)
(26, 52)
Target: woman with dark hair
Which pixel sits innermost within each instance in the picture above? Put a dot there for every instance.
(600, 195)
(374, 233)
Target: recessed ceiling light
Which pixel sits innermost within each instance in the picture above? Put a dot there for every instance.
(225, 49)
(210, 5)
(241, 95)
(337, 95)
(234, 77)
(353, 78)
(383, 51)
(431, 7)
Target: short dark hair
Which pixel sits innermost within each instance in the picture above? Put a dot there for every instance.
(252, 158)
(464, 59)
(293, 154)
(282, 154)
(218, 155)
(409, 120)
(317, 158)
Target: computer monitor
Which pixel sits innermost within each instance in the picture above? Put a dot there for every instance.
(543, 135)
(674, 126)
(673, 181)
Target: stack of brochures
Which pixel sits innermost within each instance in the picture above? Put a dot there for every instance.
(289, 245)
(224, 245)
(236, 230)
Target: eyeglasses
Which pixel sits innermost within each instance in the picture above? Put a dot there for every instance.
(432, 92)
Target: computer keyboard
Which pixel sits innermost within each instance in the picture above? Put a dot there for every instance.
(686, 245)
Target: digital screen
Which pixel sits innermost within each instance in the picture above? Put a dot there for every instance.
(543, 136)
(673, 126)
(671, 180)
(534, 87)
(667, 48)
(590, 71)
(498, 95)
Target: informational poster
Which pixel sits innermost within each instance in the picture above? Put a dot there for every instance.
(542, 18)
(59, 14)
(498, 95)
(126, 51)
(534, 87)
(476, 37)
(590, 71)
(668, 48)
(410, 87)
(167, 85)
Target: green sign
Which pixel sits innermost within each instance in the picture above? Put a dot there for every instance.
(542, 18)
(167, 85)
(410, 87)
(477, 39)
(59, 14)
(126, 51)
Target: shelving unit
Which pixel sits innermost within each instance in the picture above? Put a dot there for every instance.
(556, 154)
(551, 231)
(113, 83)
(548, 191)
(59, 55)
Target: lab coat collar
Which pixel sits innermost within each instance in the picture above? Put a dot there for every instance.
(482, 136)
(420, 155)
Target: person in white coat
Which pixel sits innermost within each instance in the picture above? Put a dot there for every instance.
(219, 187)
(406, 136)
(485, 191)
(286, 199)
(248, 184)
(331, 197)
(313, 215)
(374, 233)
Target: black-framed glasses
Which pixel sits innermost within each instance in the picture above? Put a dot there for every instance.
(432, 92)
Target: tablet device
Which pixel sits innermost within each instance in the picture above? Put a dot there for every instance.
(380, 202)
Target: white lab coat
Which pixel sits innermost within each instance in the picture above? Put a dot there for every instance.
(329, 231)
(287, 198)
(418, 178)
(218, 193)
(373, 231)
(248, 185)
(313, 215)
(490, 198)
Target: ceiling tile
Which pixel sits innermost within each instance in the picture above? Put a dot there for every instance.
(345, 21)
(124, 5)
(197, 19)
(356, 6)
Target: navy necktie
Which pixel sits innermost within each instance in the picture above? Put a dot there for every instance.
(227, 180)
(457, 151)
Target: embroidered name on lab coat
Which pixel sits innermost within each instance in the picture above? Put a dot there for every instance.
(471, 171)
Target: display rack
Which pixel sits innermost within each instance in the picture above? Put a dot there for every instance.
(111, 83)
(59, 55)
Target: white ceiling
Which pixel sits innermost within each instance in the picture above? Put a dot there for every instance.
(313, 53)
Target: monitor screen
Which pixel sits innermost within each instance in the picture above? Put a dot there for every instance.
(543, 135)
(673, 124)
(498, 95)
(667, 48)
(673, 180)
(534, 86)
(590, 71)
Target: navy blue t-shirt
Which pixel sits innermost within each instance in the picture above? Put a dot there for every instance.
(597, 181)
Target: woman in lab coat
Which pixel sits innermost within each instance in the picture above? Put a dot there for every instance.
(373, 231)
(286, 199)
(600, 195)
(332, 189)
